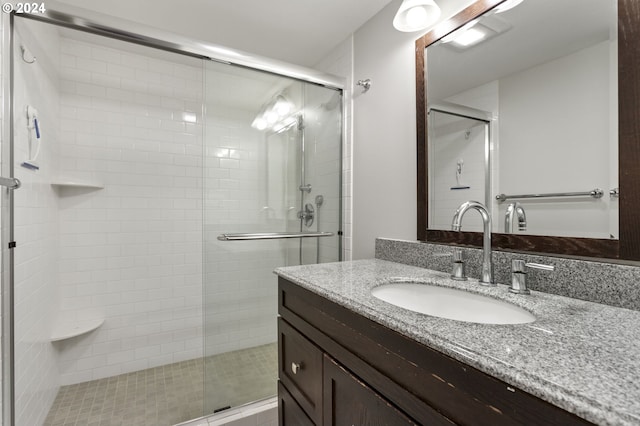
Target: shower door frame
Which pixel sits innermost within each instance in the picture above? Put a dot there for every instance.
(6, 213)
(63, 15)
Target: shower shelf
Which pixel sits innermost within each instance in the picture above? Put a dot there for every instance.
(77, 184)
(67, 330)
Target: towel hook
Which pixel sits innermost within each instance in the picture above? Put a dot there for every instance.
(26, 55)
(366, 84)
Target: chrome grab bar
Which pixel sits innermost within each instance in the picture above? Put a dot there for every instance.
(272, 235)
(595, 193)
(11, 183)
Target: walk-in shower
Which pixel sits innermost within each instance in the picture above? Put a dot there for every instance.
(159, 190)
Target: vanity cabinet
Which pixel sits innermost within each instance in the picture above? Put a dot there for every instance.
(337, 367)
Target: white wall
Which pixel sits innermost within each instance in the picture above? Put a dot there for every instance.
(384, 148)
(384, 123)
(559, 146)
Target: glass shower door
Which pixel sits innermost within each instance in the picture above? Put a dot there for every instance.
(272, 146)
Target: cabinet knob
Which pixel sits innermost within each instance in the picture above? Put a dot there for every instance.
(295, 368)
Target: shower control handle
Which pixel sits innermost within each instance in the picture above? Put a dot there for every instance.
(295, 367)
(307, 214)
(11, 183)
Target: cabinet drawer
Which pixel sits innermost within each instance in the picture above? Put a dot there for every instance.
(300, 369)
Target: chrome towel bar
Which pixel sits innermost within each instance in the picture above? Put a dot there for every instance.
(595, 193)
(272, 235)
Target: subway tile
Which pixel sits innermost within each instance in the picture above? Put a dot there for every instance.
(110, 56)
(92, 65)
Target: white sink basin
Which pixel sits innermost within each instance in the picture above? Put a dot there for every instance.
(450, 303)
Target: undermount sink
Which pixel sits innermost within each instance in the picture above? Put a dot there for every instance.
(451, 303)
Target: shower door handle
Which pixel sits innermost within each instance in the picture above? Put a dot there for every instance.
(11, 183)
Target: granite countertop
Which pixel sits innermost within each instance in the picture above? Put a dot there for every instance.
(581, 356)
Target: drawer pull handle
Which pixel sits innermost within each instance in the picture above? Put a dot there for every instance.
(295, 368)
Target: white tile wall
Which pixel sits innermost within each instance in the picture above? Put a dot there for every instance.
(240, 288)
(36, 230)
(323, 135)
(456, 139)
(340, 62)
(131, 252)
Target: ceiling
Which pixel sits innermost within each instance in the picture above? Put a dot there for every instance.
(301, 32)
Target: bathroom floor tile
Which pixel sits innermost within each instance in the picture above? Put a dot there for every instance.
(169, 394)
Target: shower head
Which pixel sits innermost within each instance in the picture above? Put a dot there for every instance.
(319, 200)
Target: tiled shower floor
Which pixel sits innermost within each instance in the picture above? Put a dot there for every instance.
(169, 394)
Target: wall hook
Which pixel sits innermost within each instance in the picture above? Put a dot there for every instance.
(27, 56)
(366, 84)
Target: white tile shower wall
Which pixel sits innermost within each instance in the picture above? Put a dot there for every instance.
(36, 225)
(484, 98)
(456, 139)
(131, 252)
(240, 288)
(323, 133)
(340, 62)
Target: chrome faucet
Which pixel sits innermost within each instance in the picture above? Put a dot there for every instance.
(487, 265)
(514, 209)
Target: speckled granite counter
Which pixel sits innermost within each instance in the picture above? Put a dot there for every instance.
(581, 356)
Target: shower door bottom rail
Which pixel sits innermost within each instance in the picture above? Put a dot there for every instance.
(272, 235)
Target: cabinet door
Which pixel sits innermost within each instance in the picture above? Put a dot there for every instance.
(289, 412)
(348, 401)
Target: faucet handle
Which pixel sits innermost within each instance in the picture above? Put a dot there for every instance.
(458, 272)
(519, 275)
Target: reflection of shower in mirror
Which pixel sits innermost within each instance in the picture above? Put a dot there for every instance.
(459, 165)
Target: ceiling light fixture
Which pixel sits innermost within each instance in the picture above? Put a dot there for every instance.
(416, 15)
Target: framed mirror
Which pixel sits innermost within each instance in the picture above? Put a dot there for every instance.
(539, 115)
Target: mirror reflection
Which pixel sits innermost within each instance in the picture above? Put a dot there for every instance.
(522, 116)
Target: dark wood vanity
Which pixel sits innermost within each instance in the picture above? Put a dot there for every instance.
(337, 367)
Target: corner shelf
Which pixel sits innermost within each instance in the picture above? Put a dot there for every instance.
(77, 184)
(67, 330)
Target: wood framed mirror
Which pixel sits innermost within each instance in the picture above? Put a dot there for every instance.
(627, 246)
